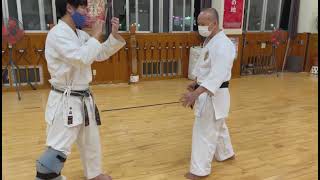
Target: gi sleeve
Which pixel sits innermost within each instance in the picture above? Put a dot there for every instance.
(221, 64)
(110, 47)
(72, 53)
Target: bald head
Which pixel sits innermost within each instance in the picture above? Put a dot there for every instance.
(211, 14)
(209, 19)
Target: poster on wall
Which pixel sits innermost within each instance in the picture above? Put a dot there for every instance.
(232, 18)
(96, 10)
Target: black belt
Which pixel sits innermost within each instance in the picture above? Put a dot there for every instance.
(81, 94)
(223, 85)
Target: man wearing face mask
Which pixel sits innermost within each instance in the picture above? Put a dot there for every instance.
(210, 97)
(71, 113)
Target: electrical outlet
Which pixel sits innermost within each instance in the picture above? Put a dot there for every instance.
(94, 72)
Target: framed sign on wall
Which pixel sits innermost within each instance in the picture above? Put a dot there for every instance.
(233, 12)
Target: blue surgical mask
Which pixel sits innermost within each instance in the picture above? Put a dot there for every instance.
(78, 19)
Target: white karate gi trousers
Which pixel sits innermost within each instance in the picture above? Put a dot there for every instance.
(61, 138)
(210, 139)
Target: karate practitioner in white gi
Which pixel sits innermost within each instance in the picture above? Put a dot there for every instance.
(211, 99)
(71, 113)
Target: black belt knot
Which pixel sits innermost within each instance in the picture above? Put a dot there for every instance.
(82, 94)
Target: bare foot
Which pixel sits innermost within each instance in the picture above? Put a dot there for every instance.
(192, 176)
(102, 177)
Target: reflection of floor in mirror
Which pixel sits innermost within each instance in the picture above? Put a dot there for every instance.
(146, 133)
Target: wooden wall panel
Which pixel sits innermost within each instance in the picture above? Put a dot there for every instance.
(104, 71)
(280, 52)
(312, 52)
(237, 62)
(299, 45)
(31, 57)
(150, 46)
(253, 49)
(115, 69)
(170, 44)
(5, 53)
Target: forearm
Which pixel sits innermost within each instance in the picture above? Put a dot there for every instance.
(117, 36)
(110, 47)
(200, 90)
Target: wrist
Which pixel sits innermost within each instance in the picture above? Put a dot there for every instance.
(194, 83)
(199, 90)
(196, 93)
(117, 36)
(114, 33)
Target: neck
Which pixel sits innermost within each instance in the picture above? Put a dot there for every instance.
(214, 33)
(68, 20)
(211, 36)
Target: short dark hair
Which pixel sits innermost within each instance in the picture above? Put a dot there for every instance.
(61, 5)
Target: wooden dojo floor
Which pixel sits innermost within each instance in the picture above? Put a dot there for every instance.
(273, 124)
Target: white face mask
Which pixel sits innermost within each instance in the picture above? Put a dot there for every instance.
(203, 31)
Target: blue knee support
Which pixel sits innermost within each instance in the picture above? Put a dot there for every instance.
(50, 164)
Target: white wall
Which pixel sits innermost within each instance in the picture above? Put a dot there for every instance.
(308, 13)
(219, 6)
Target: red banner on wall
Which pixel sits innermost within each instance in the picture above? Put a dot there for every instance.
(96, 10)
(232, 18)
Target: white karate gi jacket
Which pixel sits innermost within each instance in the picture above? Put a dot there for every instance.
(212, 69)
(69, 57)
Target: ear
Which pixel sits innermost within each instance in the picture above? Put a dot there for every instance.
(211, 26)
(69, 9)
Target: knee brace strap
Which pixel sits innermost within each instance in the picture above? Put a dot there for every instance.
(47, 176)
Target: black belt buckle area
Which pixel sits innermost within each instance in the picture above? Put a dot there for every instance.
(196, 86)
(223, 85)
(85, 93)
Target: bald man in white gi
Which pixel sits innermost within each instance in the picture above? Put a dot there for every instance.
(209, 95)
